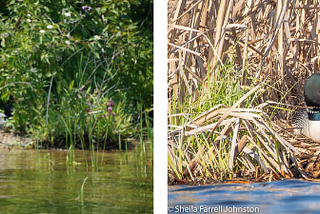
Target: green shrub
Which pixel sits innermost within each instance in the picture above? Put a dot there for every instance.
(60, 60)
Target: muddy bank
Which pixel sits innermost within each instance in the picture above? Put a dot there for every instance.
(9, 138)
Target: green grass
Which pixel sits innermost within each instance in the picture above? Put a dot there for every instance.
(220, 133)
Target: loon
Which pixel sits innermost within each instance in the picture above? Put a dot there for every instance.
(307, 121)
(8, 110)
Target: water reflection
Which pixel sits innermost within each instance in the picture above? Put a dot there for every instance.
(44, 182)
(289, 196)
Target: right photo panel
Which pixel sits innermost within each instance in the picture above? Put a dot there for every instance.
(243, 90)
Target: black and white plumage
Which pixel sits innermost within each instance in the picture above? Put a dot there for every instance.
(307, 121)
(299, 121)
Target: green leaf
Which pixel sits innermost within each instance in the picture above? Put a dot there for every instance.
(71, 85)
(5, 96)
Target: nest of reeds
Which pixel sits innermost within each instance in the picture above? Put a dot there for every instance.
(254, 149)
(272, 45)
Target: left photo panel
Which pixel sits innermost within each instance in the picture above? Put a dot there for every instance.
(76, 106)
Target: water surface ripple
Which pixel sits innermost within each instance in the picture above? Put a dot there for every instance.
(288, 196)
(46, 182)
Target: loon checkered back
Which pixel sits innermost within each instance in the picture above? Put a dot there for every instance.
(299, 122)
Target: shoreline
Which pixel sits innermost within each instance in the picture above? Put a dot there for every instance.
(9, 138)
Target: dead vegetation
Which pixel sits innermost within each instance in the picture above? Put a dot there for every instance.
(269, 49)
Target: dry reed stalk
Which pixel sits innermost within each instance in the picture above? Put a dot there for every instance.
(271, 161)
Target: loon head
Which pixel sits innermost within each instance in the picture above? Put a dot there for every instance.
(8, 110)
(312, 91)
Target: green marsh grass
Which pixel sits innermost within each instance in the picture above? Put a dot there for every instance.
(220, 134)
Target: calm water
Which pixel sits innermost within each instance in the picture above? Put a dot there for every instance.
(43, 182)
(291, 196)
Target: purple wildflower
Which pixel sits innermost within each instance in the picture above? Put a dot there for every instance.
(104, 116)
(113, 114)
(110, 103)
(110, 109)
